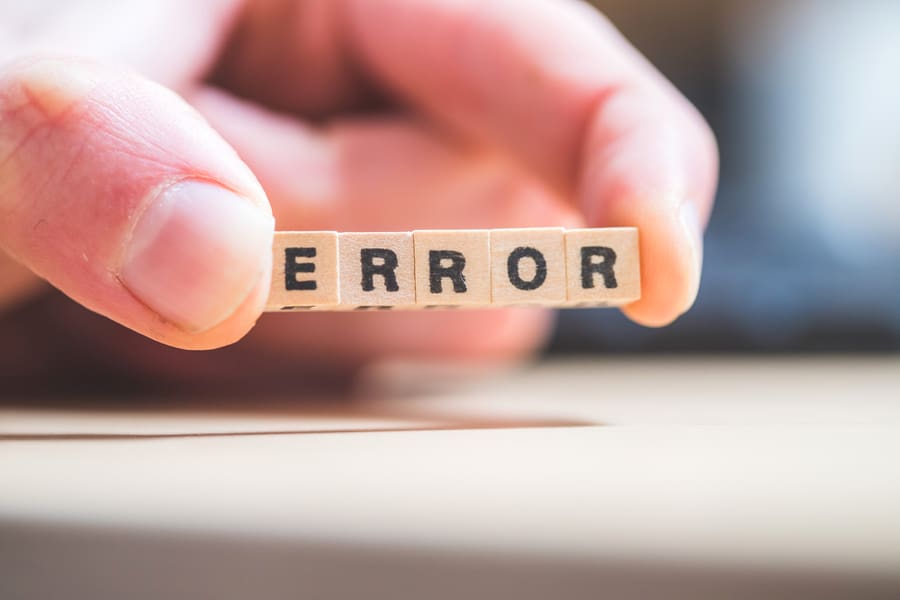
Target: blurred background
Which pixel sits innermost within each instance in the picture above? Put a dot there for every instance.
(803, 252)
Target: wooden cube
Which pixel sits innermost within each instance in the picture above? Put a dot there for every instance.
(453, 267)
(304, 271)
(528, 266)
(603, 266)
(377, 270)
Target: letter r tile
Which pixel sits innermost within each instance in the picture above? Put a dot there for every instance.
(304, 271)
(377, 270)
(528, 266)
(453, 267)
(603, 266)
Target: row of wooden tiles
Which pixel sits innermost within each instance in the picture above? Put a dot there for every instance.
(325, 270)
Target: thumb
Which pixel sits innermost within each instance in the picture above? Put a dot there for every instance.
(117, 193)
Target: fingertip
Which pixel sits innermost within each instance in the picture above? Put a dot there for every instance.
(232, 329)
(127, 201)
(671, 249)
(196, 253)
(652, 163)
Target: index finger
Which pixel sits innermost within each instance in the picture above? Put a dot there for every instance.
(553, 84)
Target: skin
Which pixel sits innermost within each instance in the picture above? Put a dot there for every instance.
(328, 114)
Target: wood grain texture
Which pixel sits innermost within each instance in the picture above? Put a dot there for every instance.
(377, 270)
(305, 273)
(453, 267)
(528, 266)
(602, 267)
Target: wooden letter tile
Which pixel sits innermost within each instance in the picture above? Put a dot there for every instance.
(304, 271)
(528, 266)
(453, 267)
(377, 270)
(603, 266)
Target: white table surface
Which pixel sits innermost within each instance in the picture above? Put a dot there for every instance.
(654, 477)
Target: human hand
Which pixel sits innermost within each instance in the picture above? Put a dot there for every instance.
(353, 115)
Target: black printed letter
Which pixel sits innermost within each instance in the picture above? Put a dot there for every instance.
(292, 267)
(437, 271)
(605, 267)
(385, 268)
(540, 268)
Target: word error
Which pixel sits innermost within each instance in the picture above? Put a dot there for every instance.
(325, 270)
